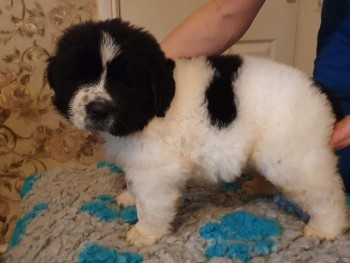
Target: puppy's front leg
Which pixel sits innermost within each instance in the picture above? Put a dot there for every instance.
(156, 194)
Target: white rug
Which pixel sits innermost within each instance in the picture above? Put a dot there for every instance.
(71, 216)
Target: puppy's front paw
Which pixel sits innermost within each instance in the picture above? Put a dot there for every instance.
(125, 199)
(138, 237)
(135, 237)
(314, 233)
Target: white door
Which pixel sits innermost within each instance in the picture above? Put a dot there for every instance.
(272, 33)
(280, 30)
(157, 16)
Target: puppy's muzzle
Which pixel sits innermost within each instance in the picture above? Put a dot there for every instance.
(99, 110)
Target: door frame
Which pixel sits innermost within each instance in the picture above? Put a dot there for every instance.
(108, 9)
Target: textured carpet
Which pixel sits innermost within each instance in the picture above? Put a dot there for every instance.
(71, 216)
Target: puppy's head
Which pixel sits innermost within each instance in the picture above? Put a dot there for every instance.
(110, 76)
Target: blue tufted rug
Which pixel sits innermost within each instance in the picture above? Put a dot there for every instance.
(71, 215)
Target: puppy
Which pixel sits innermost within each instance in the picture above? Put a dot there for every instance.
(164, 121)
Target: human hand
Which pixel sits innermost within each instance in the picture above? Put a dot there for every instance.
(341, 134)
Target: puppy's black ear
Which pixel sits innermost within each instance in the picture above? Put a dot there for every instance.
(50, 72)
(163, 88)
(53, 77)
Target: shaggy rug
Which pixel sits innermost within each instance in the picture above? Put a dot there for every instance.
(71, 215)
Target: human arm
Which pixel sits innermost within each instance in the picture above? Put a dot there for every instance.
(212, 28)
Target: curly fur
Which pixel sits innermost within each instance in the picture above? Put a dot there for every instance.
(165, 121)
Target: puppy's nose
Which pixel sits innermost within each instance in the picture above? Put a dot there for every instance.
(99, 109)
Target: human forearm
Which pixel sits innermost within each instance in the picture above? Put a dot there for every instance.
(212, 28)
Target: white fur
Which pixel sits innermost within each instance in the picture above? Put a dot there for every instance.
(108, 49)
(282, 129)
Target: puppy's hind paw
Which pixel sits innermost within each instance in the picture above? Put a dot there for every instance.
(125, 199)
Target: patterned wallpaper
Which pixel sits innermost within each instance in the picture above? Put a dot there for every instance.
(33, 137)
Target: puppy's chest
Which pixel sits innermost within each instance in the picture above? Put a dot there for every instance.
(198, 150)
(201, 149)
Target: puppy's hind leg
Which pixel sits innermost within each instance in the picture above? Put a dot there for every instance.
(312, 181)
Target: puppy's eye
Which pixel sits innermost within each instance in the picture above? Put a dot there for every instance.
(79, 78)
(75, 81)
(84, 69)
(117, 72)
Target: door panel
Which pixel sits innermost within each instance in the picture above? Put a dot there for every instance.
(262, 48)
(272, 33)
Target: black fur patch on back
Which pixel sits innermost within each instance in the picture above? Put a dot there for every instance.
(338, 112)
(219, 96)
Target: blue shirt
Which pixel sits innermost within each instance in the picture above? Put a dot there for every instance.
(332, 65)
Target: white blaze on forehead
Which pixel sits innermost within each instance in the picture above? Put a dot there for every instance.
(94, 91)
(108, 48)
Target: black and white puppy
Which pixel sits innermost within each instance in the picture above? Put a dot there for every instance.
(164, 121)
